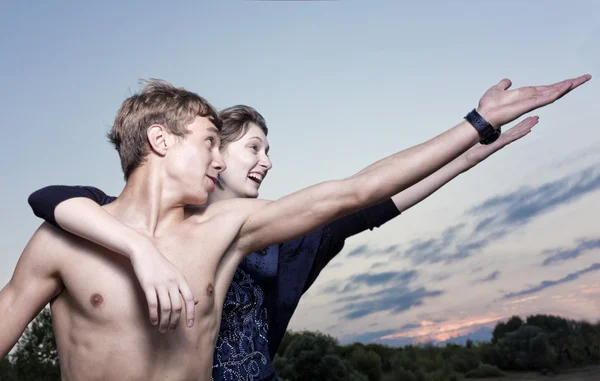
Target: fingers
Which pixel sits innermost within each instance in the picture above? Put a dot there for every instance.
(152, 304)
(524, 127)
(572, 83)
(165, 309)
(521, 129)
(170, 305)
(528, 122)
(559, 89)
(504, 84)
(176, 307)
(188, 299)
(580, 80)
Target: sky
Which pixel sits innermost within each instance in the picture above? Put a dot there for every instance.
(341, 85)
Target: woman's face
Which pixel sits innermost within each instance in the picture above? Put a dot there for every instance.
(247, 163)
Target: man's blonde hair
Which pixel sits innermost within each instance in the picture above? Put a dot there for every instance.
(161, 103)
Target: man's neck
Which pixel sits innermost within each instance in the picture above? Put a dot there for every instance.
(147, 205)
(220, 194)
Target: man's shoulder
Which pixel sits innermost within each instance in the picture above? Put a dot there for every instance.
(49, 245)
(216, 216)
(222, 220)
(50, 234)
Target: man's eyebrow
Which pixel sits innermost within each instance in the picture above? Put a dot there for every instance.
(213, 129)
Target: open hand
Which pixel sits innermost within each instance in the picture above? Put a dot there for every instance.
(500, 105)
(162, 284)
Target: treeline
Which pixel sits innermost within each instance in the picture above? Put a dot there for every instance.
(540, 343)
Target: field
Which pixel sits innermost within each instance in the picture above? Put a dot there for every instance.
(591, 373)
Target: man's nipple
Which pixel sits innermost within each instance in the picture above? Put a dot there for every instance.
(96, 300)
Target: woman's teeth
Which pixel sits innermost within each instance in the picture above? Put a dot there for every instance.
(256, 177)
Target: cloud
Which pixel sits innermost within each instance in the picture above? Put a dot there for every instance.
(551, 283)
(578, 156)
(367, 337)
(498, 216)
(484, 224)
(397, 278)
(558, 255)
(377, 265)
(362, 249)
(441, 276)
(446, 249)
(394, 300)
(521, 206)
(391, 249)
(433, 250)
(467, 248)
(369, 251)
(384, 278)
(489, 278)
(406, 327)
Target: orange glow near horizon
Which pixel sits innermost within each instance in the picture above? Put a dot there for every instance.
(430, 331)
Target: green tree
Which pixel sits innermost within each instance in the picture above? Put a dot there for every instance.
(287, 339)
(502, 329)
(513, 349)
(541, 355)
(314, 356)
(36, 357)
(368, 363)
(385, 353)
(6, 371)
(550, 323)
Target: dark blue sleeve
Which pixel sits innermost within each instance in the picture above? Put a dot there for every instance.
(336, 232)
(44, 201)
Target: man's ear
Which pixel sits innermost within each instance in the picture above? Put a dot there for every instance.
(158, 138)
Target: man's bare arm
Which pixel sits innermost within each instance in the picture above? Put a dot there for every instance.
(301, 212)
(34, 283)
(426, 187)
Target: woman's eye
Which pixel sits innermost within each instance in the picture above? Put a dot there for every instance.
(255, 148)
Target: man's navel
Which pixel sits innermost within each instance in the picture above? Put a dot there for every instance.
(209, 289)
(96, 300)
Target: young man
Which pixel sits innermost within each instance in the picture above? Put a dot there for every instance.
(168, 143)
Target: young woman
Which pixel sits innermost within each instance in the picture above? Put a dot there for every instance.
(268, 284)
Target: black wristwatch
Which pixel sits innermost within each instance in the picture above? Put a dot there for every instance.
(487, 133)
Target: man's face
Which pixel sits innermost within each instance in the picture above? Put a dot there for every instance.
(195, 161)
